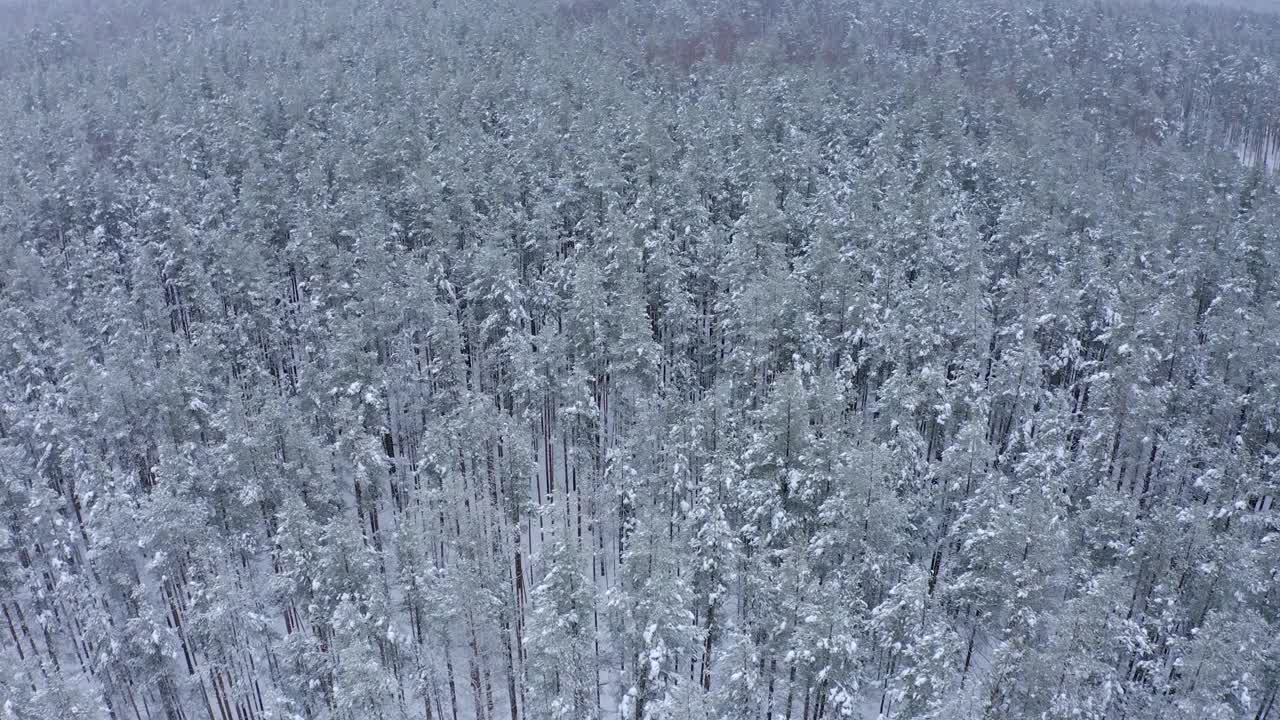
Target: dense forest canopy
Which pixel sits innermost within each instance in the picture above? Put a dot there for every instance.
(648, 359)
(1261, 6)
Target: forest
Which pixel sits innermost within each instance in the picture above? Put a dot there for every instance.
(639, 360)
